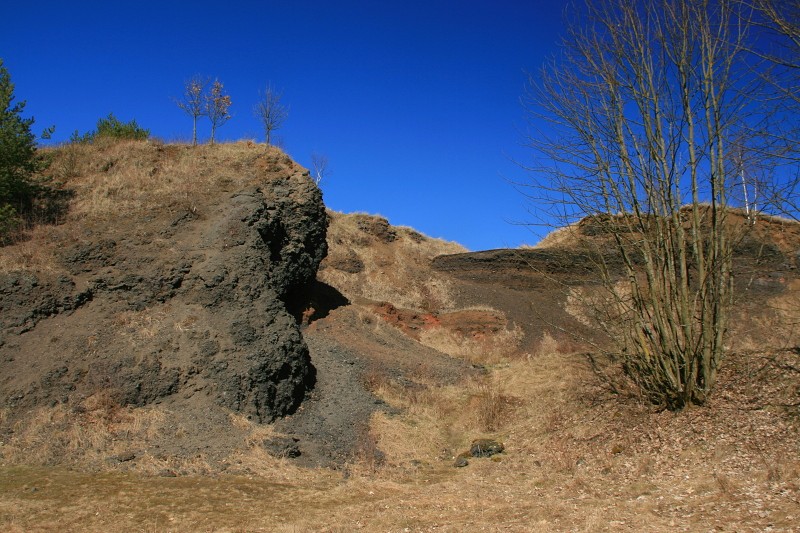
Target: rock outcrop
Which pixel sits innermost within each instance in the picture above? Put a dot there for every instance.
(173, 305)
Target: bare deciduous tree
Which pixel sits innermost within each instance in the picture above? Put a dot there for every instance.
(192, 101)
(782, 17)
(779, 24)
(270, 111)
(217, 104)
(319, 167)
(642, 121)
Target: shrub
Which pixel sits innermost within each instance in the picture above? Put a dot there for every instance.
(9, 222)
(112, 128)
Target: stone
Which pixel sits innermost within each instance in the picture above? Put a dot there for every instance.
(485, 448)
(461, 461)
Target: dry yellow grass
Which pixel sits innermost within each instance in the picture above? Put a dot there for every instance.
(559, 237)
(33, 254)
(117, 179)
(567, 467)
(777, 325)
(570, 465)
(396, 271)
(87, 436)
(487, 350)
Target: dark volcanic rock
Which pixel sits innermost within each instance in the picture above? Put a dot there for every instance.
(25, 299)
(462, 460)
(479, 448)
(521, 268)
(377, 227)
(271, 241)
(153, 310)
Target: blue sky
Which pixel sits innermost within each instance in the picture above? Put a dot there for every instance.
(415, 104)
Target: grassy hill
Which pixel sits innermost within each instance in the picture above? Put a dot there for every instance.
(419, 348)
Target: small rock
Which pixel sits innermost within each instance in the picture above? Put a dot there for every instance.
(485, 448)
(283, 447)
(461, 460)
(125, 457)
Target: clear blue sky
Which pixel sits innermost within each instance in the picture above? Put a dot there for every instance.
(415, 104)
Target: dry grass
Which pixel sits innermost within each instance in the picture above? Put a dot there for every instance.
(570, 465)
(395, 271)
(573, 465)
(87, 434)
(98, 435)
(565, 236)
(35, 253)
(131, 176)
(776, 325)
(548, 345)
(440, 422)
(112, 180)
(26, 256)
(488, 349)
(140, 325)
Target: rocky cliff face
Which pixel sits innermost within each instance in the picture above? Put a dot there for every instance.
(179, 302)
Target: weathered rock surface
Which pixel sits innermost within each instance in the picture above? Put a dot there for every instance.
(165, 307)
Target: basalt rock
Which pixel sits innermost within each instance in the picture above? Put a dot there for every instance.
(173, 307)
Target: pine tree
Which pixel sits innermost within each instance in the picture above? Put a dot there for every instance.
(18, 159)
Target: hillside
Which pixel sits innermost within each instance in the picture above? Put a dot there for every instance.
(166, 285)
(416, 348)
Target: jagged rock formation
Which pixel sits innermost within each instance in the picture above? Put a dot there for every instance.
(173, 305)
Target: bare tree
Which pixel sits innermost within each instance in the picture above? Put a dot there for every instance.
(636, 120)
(192, 102)
(779, 23)
(217, 104)
(319, 167)
(270, 111)
(783, 18)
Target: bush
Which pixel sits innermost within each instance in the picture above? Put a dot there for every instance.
(112, 128)
(10, 222)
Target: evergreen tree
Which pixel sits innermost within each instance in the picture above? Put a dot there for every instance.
(18, 159)
(17, 144)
